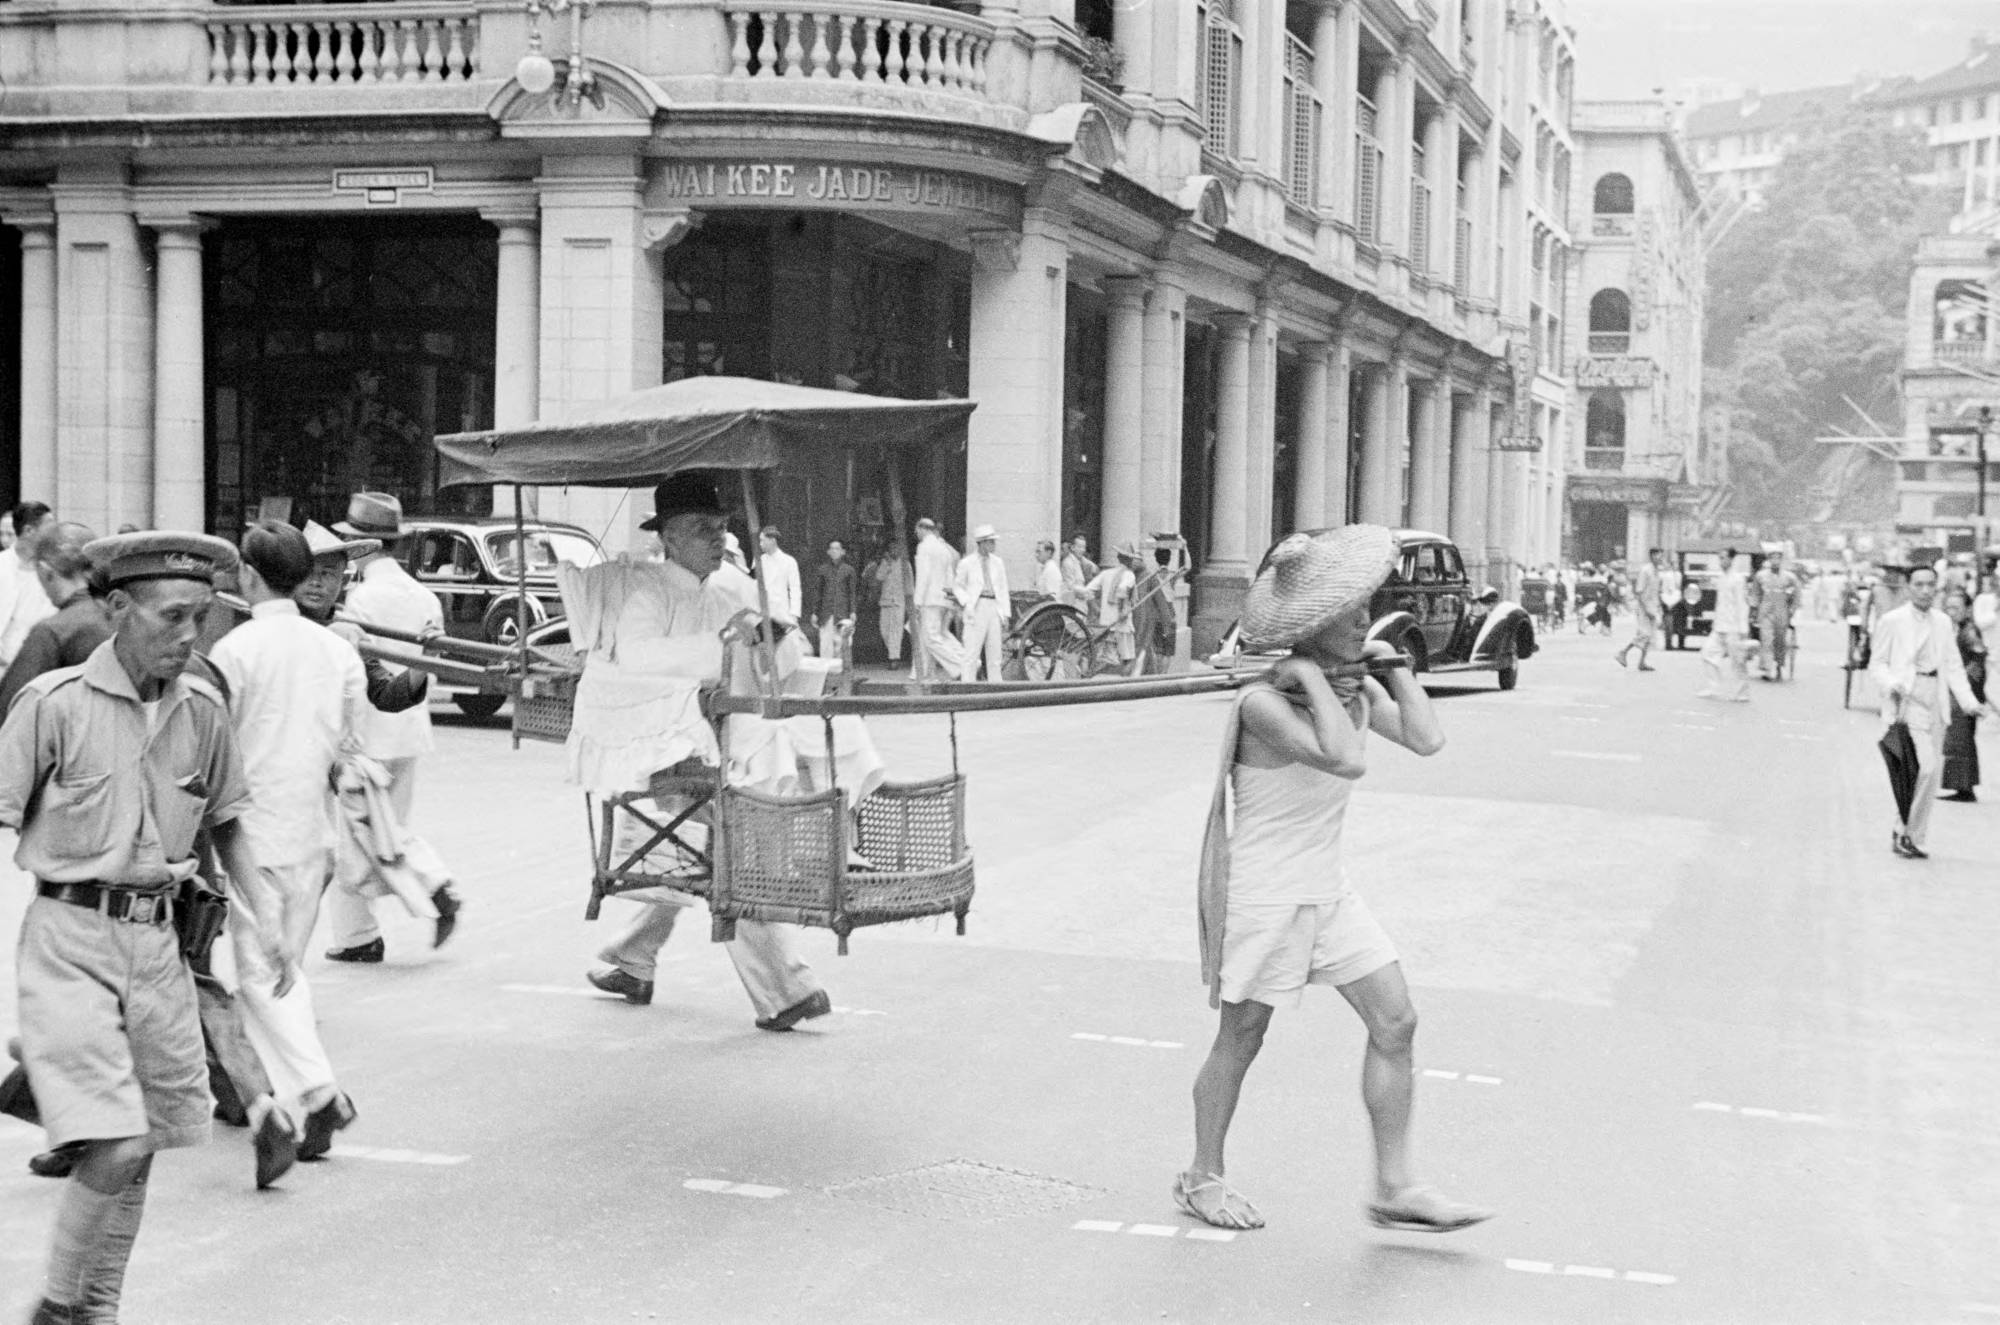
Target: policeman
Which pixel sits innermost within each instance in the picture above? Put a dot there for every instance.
(110, 1035)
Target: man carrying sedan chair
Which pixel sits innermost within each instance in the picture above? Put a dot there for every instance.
(1276, 910)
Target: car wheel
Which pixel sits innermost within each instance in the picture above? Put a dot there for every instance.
(479, 705)
(1413, 644)
(1510, 674)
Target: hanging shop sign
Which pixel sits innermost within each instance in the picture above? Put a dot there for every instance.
(1622, 493)
(839, 186)
(1618, 372)
(1522, 362)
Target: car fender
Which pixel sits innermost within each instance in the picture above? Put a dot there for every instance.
(1507, 620)
(1393, 627)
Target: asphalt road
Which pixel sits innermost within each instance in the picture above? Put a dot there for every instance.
(1714, 1053)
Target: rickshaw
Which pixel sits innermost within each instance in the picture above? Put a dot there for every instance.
(1053, 640)
(802, 858)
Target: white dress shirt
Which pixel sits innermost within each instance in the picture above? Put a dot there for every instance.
(1049, 578)
(297, 696)
(1732, 605)
(1905, 645)
(937, 564)
(387, 596)
(779, 570)
(1986, 616)
(26, 604)
(975, 574)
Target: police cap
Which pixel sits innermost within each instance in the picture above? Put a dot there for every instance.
(160, 555)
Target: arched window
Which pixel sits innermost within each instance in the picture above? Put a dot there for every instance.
(1958, 315)
(1610, 322)
(1612, 196)
(1604, 430)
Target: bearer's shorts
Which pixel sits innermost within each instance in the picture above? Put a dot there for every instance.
(110, 1029)
(1272, 952)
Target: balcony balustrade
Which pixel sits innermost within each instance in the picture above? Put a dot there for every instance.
(1601, 458)
(859, 41)
(325, 45)
(1963, 351)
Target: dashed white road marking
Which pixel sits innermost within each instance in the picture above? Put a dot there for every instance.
(571, 990)
(1133, 1041)
(859, 1012)
(1474, 1077)
(1154, 1230)
(383, 1155)
(1772, 1115)
(1564, 717)
(1797, 722)
(1590, 706)
(1697, 726)
(1979, 1308)
(1596, 754)
(1590, 1272)
(721, 1188)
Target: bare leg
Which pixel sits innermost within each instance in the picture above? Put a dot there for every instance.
(1383, 1001)
(1220, 1081)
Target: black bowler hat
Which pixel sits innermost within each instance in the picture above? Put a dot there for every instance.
(689, 490)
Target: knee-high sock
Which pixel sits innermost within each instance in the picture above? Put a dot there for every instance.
(105, 1283)
(80, 1219)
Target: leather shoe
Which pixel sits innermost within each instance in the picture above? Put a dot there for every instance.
(371, 951)
(56, 1163)
(628, 987)
(276, 1143)
(448, 906)
(1910, 850)
(52, 1313)
(322, 1123)
(815, 1004)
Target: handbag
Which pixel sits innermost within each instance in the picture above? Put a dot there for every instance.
(199, 916)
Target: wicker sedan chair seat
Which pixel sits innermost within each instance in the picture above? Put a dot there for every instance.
(791, 858)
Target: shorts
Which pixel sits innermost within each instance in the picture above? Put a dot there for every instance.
(1270, 952)
(110, 1029)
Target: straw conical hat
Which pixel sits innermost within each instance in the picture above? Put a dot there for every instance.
(1309, 579)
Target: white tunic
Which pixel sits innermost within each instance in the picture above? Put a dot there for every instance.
(387, 596)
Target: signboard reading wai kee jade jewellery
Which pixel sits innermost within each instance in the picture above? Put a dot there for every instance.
(806, 185)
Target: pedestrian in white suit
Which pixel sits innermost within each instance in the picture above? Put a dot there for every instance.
(1913, 658)
(937, 653)
(981, 590)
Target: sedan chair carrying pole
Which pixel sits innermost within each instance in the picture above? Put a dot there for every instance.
(766, 634)
(520, 607)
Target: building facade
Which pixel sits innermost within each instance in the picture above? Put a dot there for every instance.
(1951, 394)
(1636, 476)
(1221, 268)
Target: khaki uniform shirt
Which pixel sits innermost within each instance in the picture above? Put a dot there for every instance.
(87, 808)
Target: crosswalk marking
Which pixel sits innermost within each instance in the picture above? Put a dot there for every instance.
(1154, 1230)
(384, 1155)
(1754, 1111)
(1590, 1272)
(1133, 1041)
(1596, 754)
(720, 1187)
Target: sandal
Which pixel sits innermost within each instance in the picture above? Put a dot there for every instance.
(1232, 1211)
(1422, 1210)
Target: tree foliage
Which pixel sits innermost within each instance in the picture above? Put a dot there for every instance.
(1806, 301)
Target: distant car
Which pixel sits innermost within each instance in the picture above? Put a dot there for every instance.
(471, 564)
(1431, 611)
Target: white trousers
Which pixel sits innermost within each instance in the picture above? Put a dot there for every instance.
(891, 620)
(351, 920)
(773, 974)
(938, 655)
(283, 1031)
(1725, 652)
(1930, 756)
(983, 635)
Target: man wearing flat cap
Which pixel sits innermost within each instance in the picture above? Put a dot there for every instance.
(109, 770)
(387, 595)
(650, 633)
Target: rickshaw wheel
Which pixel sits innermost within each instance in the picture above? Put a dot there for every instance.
(1054, 644)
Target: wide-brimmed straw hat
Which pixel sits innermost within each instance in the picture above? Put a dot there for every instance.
(1309, 579)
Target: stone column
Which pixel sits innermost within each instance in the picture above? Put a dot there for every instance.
(1331, 63)
(1222, 579)
(1499, 476)
(1014, 457)
(1160, 421)
(1418, 509)
(104, 352)
(1263, 448)
(1397, 118)
(601, 302)
(1395, 438)
(1441, 150)
(517, 333)
(1380, 382)
(38, 354)
(1315, 439)
(1442, 433)
(1339, 431)
(1469, 479)
(1124, 407)
(180, 495)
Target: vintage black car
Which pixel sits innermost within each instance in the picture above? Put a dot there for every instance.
(470, 564)
(1430, 610)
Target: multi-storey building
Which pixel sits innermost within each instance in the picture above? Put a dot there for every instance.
(1636, 477)
(1736, 144)
(1959, 110)
(1216, 267)
(1951, 393)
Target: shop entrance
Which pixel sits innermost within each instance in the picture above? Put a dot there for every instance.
(1600, 531)
(10, 370)
(338, 347)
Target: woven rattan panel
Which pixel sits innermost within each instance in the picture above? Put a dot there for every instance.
(961, 1189)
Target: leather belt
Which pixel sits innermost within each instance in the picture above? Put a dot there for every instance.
(988, 595)
(1926, 673)
(112, 902)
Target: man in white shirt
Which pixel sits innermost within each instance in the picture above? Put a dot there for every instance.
(384, 594)
(894, 577)
(981, 590)
(779, 571)
(23, 601)
(937, 654)
(1729, 634)
(1913, 658)
(1986, 615)
(1048, 571)
(297, 695)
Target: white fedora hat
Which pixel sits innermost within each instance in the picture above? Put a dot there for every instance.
(984, 532)
(1309, 579)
